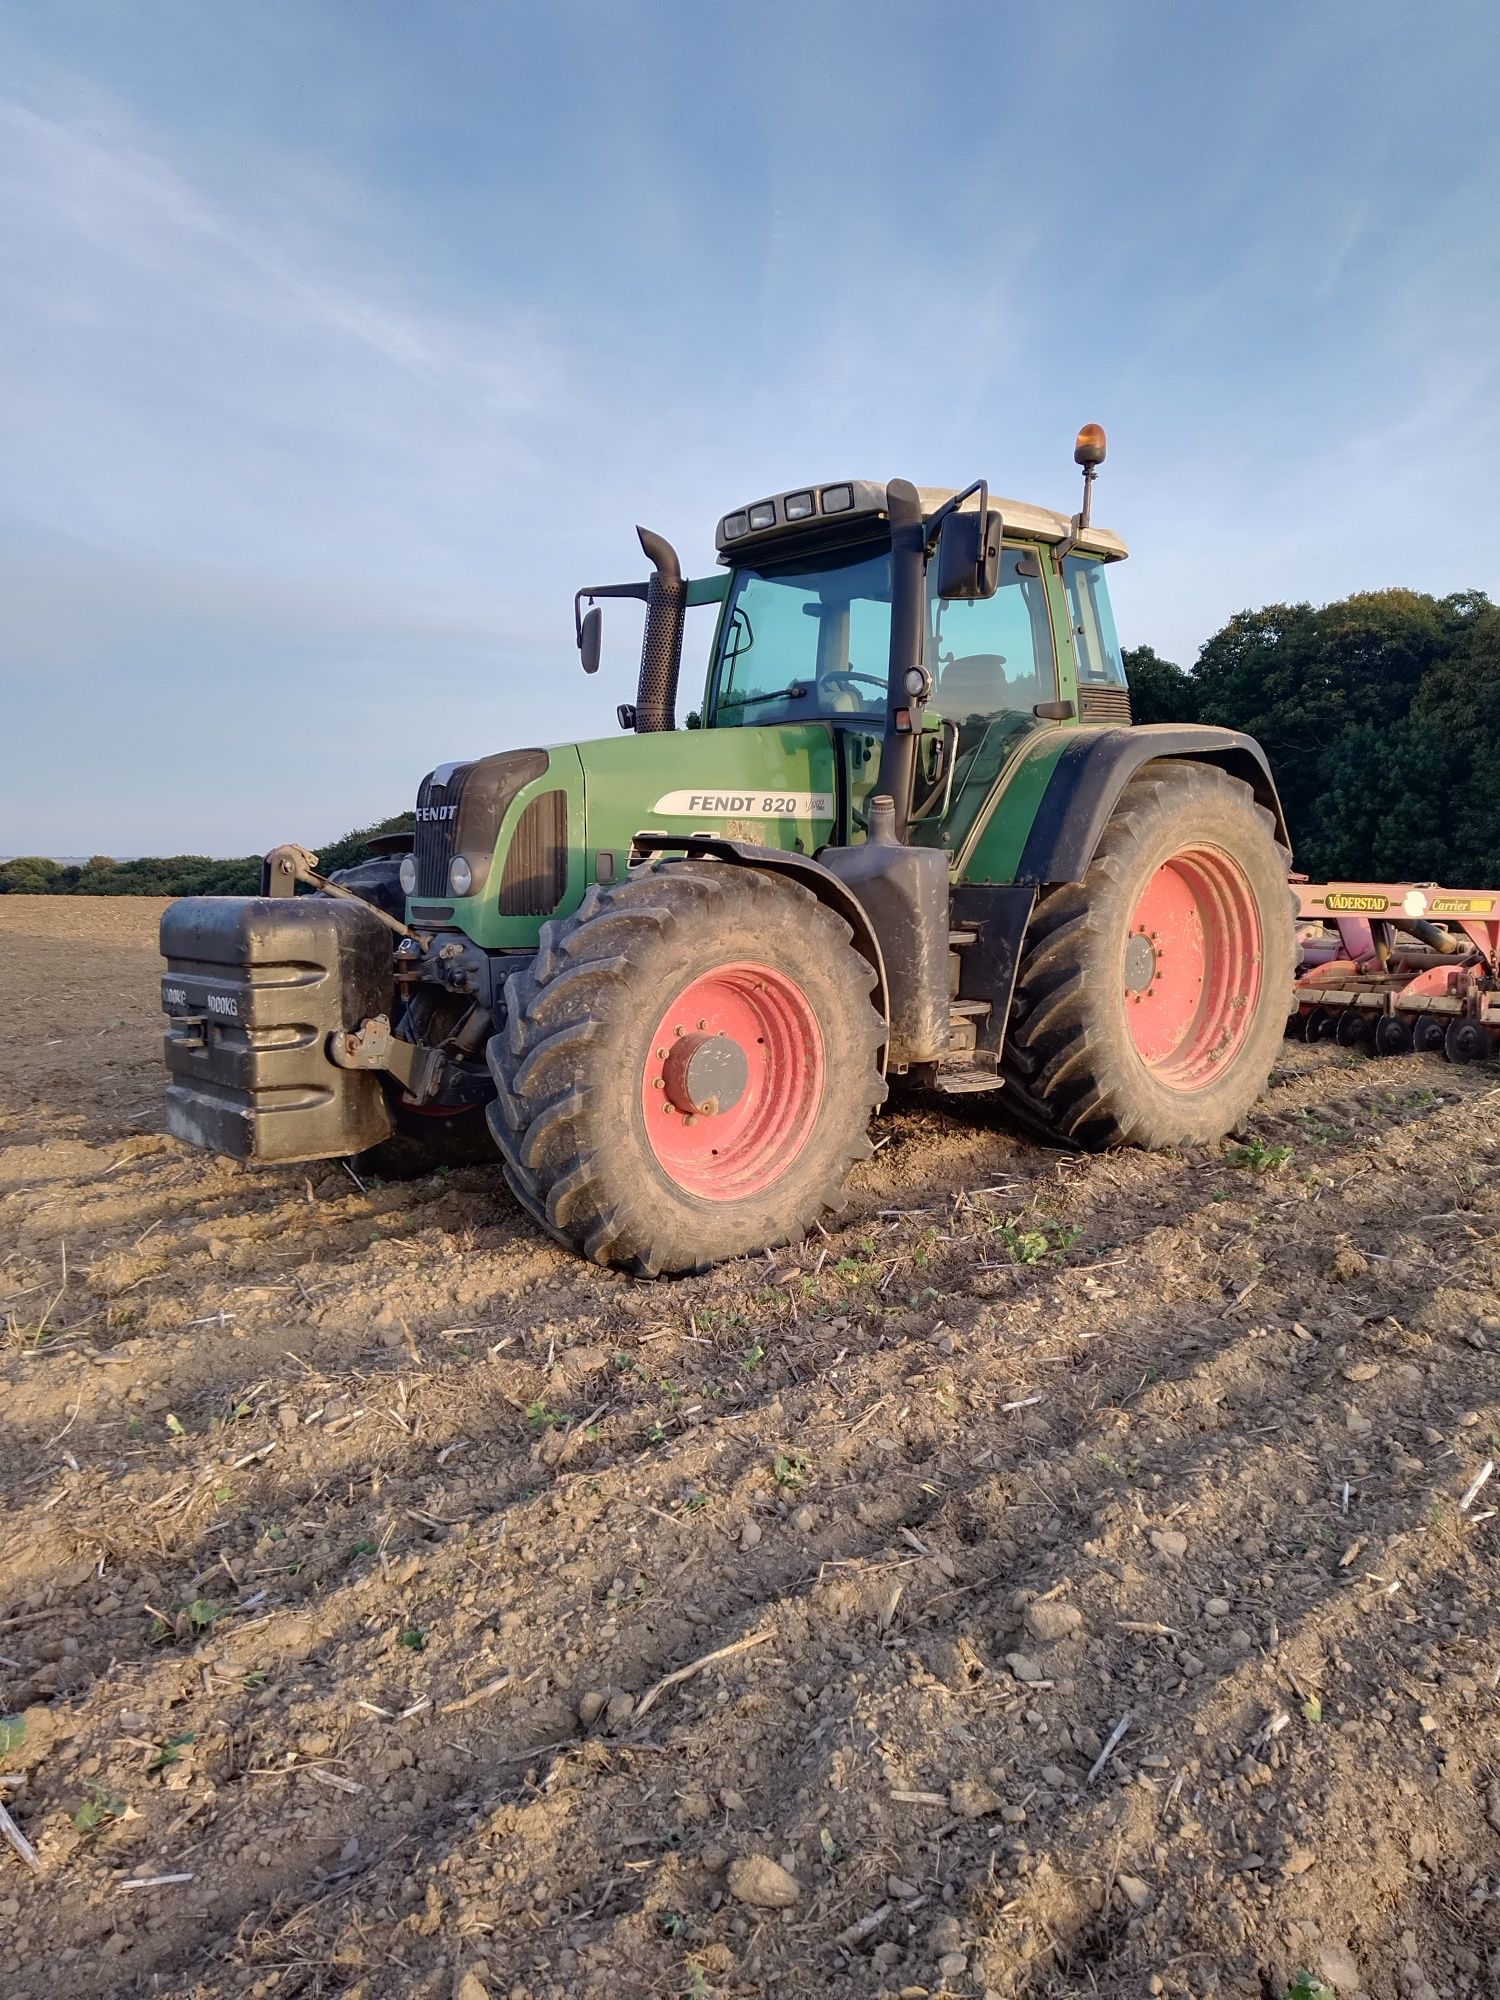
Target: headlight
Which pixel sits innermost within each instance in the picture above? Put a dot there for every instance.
(797, 506)
(460, 876)
(763, 515)
(837, 499)
(735, 525)
(408, 875)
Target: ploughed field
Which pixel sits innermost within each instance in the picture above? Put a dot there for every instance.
(361, 1550)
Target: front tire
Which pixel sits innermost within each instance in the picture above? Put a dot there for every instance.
(1152, 996)
(688, 1068)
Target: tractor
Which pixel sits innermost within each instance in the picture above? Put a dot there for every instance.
(909, 833)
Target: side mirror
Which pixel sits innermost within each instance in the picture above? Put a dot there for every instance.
(591, 639)
(968, 555)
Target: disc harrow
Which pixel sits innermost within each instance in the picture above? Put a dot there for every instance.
(1397, 967)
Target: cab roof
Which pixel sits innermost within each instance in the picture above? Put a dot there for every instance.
(789, 521)
(1028, 522)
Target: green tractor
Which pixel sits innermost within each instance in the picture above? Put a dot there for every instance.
(909, 832)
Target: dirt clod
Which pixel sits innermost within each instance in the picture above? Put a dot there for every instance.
(1138, 1894)
(1048, 1621)
(763, 1883)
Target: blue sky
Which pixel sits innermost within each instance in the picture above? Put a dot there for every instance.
(340, 342)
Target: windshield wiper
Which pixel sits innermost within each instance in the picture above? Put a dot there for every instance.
(793, 693)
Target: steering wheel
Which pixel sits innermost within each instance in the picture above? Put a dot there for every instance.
(852, 674)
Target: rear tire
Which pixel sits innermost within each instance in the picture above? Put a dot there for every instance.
(423, 1141)
(377, 882)
(594, 1113)
(1152, 996)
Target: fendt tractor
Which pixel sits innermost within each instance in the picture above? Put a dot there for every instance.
(910, 832)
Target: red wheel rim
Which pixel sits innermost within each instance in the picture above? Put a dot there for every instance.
(1192, 968)
(747, 1027)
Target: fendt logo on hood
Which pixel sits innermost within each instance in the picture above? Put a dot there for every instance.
(431, 815)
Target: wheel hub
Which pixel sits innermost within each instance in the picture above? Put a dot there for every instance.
(1140, 962)
(705, 1074)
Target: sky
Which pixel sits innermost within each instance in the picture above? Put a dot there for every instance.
(342, 340)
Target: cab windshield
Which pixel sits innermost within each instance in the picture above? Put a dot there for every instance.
(813, 643)
(804, 644)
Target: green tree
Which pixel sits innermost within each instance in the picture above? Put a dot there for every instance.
(1159, 689)
(30, 875)
(354, 846)
(1328, 692)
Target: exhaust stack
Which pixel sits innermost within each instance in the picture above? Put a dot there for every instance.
(661, 645)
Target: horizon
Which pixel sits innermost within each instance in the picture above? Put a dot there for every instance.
(326, 386)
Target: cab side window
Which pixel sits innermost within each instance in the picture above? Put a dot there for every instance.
(994, 658)
(1099, 660)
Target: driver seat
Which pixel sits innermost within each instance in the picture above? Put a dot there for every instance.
(974, 684)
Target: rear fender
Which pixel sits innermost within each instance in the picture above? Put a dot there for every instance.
(1095, 768)
(823, 883)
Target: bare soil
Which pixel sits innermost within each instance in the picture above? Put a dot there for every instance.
(349, 1530)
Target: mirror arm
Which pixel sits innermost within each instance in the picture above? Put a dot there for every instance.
(593, 590)
(979, 486)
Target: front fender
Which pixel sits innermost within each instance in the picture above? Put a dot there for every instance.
(823, 883)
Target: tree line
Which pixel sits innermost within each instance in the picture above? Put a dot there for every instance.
(176, 874)
(1380, 715)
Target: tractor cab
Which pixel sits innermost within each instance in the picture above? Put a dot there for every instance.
(805, 635)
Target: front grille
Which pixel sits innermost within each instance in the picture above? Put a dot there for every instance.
(432, 848)
(459, 810)
(536, 868)
(1103, 704)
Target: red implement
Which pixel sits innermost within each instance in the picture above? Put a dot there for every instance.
(1392, 966)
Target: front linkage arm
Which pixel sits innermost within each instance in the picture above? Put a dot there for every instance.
(284, 867)
(373, 1044)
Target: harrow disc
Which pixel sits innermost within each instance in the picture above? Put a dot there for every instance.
(1467, 1041)
(1428, 1036)
(1353, 1029)
(1392, 1036)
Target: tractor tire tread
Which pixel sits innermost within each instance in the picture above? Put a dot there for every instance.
(569, 1166)
(1063, 1082)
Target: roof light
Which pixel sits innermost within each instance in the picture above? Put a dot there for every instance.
(763, 514)
(734, 526)
(1089, 450)
(837, 499)
(797, 506)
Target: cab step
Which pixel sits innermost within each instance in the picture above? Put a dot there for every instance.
(968, 1010)
(967, 1082)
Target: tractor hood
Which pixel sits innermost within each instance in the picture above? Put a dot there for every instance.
(536, 827)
